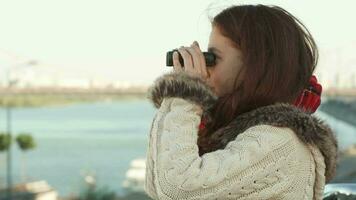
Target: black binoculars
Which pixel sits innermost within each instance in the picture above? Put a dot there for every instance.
(209, 58)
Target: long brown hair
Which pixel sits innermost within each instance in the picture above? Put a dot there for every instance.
(279, 57)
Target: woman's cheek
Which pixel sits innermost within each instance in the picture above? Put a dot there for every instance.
(217, 86)
(214, 80)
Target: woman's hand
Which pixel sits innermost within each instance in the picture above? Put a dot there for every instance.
(194, 61)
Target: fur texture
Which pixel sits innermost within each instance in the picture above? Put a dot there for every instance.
(181, 84)
(308, 128)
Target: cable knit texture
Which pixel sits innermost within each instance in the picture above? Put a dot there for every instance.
(260, 157)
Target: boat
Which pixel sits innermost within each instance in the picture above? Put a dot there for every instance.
(135, 176)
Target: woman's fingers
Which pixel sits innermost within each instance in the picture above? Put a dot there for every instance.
(187, 59)
(176, 64)
(195, 58)
(201, 58)
(194, 61)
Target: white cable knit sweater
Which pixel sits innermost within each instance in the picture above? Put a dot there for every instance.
(262, 162)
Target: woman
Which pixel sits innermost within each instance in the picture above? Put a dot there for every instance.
(241, 129)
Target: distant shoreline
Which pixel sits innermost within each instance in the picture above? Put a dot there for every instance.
(42, 100)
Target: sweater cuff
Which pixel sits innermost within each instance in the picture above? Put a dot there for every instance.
(180, 84)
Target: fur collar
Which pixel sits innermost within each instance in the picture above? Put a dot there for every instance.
(309, 128)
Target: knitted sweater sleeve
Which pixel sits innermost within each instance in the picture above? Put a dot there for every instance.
(248, 165)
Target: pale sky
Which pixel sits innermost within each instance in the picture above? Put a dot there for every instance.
(128, 40)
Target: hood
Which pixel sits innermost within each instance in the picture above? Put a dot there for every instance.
(308, 127)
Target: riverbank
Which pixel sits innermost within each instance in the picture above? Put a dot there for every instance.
(42, 97)
(40, 100)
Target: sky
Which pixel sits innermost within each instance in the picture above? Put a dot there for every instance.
(128, 40)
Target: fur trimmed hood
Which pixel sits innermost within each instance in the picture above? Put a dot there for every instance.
(309, 128)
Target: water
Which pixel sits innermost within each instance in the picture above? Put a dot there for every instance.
(94, 137)
(100, 137)
(345, 133)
